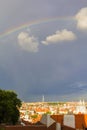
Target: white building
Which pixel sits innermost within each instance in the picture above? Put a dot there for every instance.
(81, 107)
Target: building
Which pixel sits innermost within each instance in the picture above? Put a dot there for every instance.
(55, 122)
(76, 122)
(81, 107)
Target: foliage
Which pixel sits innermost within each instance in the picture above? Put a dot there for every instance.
(48, 113)
(52, 103)
(55, 103)
(9, 107)
(2, 128)
(34, 116)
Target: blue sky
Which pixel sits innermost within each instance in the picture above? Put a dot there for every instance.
(47, 56)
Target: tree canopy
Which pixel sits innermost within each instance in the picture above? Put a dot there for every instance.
(9, 107)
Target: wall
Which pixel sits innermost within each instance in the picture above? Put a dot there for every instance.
(67, 128)
(24, 127)
(52, 127)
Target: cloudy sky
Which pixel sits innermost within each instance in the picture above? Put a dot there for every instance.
(43, 49)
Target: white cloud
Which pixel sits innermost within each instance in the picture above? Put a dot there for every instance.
(60, 36)
(81, 18)
(82, 84)
(79, 85)
(27, 42)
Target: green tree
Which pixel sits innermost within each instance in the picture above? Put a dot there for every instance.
(9, 107)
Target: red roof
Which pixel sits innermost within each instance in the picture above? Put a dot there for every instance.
(80, 120)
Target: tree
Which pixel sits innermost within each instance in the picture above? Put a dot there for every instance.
(9, 107)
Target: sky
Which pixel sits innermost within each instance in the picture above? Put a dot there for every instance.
(43, 49)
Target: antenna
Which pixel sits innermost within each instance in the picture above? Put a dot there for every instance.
(43, 98)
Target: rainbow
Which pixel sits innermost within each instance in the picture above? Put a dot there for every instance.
(29, 24)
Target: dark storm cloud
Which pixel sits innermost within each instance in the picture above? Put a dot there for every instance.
(57, 69)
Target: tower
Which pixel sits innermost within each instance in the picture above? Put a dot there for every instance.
(43, 98)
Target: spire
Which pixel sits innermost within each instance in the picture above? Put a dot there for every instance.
(83, 102)
(43, 98)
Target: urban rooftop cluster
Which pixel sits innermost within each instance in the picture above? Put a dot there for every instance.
(33, 112)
